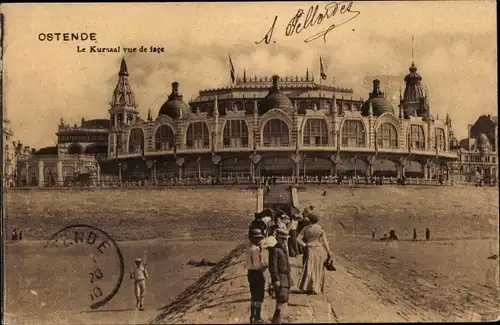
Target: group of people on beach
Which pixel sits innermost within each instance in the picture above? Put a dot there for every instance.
(274, 237)
(392, 235)
(15, 235)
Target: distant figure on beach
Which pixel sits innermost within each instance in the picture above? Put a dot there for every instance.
(20, 237)
(384, 238)
(373, 234)
(414, 234)
(279, 269)
(392, 234)
(139, 274)
(427, 234)
(14, 234)
(313, 237)
(256, 280)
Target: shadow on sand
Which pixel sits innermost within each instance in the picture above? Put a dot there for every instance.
(106, 311)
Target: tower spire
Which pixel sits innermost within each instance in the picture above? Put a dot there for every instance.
(123, 107)
(123, 68)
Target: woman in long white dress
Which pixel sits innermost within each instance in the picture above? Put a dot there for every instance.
(313, 237)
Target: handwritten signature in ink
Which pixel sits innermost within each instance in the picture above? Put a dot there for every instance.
(302, 20)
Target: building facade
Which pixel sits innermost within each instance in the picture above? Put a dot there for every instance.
(478, 154)
(287, 126)
(74, 160)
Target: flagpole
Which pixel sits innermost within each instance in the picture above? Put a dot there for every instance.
(320, 81)
(230, 69)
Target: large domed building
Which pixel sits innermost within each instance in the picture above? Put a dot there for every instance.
(284, 126)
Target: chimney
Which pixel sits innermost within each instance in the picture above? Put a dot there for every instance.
(376, 86)
(275, 83)
(175, 88)
(33, 150)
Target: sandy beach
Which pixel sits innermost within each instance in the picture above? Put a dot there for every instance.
(448, 278)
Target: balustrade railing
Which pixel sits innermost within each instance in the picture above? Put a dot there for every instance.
(142, 181)
(278, 146)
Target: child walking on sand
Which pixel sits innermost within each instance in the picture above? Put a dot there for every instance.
(256, 280)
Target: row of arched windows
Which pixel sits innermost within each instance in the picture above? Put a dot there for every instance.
(277, 133)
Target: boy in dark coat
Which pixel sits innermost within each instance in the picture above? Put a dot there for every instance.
(279, 268)
(255, 274)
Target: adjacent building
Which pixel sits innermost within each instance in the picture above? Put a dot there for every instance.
(478, 154)
(74, 160)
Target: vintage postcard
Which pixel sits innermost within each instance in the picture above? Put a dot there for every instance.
(249, 162)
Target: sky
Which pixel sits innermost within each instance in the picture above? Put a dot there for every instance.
(454, 50)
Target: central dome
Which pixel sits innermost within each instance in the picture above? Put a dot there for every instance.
(174, 107)
(378, 103)
(275, 99)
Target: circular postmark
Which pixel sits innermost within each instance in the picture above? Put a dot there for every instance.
(94, 251)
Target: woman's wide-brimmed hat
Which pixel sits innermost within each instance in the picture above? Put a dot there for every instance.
(314, 217)
(138, 260)
(282, 233)
(256, 233)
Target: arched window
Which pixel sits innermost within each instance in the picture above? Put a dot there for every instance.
(75, 149)
(197, 135)
(417, 138)
(440, 140)
(136, 141)
(315, 133)
(164, 138)
(276, 133)
(235, 134)
(387, 136)
(353, 134)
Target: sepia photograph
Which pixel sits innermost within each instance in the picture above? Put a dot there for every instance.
(249, 162)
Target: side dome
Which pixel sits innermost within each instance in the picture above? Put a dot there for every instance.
(275, 99)
(483, 143)
(376, 105)
(174, 107)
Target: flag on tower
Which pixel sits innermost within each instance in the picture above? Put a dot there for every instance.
(233, 73)
(322, 68)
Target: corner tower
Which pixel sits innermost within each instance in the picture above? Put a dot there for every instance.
(123, 108)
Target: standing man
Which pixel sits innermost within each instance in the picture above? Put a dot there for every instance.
(279, 268)
(427, 234)
(414, 234)
(373, 234)
(139, 274)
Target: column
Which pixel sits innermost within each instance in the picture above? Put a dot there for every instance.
(98, 169)
(120, 172)
(27, 176)
(426, 170)
(297, 170)
(180, 163)
(41, 177)
(398, 169)
(59, 169)
(251, 170)
(154, 173)
(369, 169)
